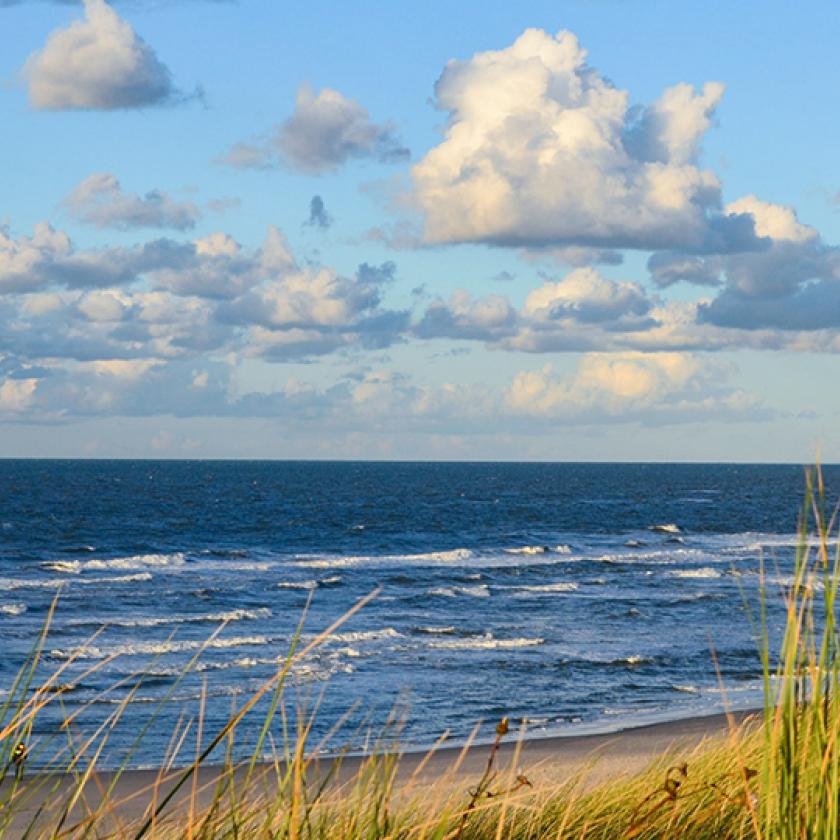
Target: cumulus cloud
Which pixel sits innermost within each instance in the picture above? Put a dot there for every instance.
(584, 311)
(48, 258)
(318, 215)
(325, 131)
(662, 386)
(16, 395)
(166, 300)
(98, 63)
(581, 311)
(315, 310)
(463, 317)
(792, 284)
(670, 130)
(541, 150)
(101, 201)
(588, 297)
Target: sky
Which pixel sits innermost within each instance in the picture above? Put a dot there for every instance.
(585, 230)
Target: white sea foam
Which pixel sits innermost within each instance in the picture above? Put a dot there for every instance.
(694, 574)
(68, 567)
(485, 642)
(479, 591)
(665, 557)
(365, 635)
(158, 621)
(432, 558)
(309, 584)
(297, 584)
(437, 631)
(157, 648)
(562, 548)
(528, 549)
(548, 588)
(56, 583)
(13, 609)
(136, 561)
(667, 528)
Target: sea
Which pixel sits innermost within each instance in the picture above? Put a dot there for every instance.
(571, 598)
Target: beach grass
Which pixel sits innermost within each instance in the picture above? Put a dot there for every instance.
(774, 777)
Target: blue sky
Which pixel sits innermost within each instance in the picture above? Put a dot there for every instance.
(581, 230)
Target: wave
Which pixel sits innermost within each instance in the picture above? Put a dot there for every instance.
(667, 528)
(158, 621)
(685, 689)
(12, 609)
(547, 588)
(139, 561)
(485, 642)
(297, 584)
(694, 574)
(318, 668)
(365, 635)
(632, 661)
(479, 591)
(157, 648)
(665, 557)
(313, 583)
(433, 558)
(57, 583)
(449, 630)
(69, 567)
(539, 549)
(136, 561)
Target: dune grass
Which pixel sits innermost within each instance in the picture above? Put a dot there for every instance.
(777, 778)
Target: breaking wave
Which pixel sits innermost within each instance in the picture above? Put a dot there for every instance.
(364, 635)
(547, 588)
(432, 558)
(479, 591)
(667, 528)
(57, 583)
(485, 642)
(136, 561)
(158, 621)
(539, 549)
(156, 648)
(694, 574)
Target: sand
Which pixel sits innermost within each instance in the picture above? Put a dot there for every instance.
(543, 760)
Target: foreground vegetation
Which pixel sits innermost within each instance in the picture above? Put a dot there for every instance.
(777, 778)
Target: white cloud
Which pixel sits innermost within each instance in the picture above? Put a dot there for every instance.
(670, 130)
(101, 201)
(464, 317)
(48, 258)
(16, 395)
(582, 311)
(791, 284)
(628, 386)
(587, 296)
(541, 150)
(325, 131)
(772, 220)
(166, 300)
(98, 63)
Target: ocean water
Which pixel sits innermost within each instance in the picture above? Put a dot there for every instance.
(578, 597)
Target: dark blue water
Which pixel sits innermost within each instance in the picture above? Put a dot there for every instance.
(578, 596)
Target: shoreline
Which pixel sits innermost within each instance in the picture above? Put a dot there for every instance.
(549, 760)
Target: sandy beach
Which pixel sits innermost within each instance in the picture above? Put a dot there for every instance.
(545, 761)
